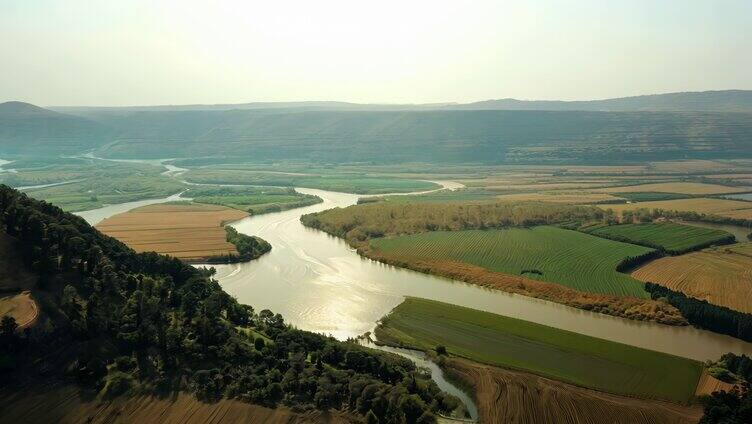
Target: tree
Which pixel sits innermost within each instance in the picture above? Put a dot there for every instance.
(441, 350)
(8, 327)
(259, 343)
(371, 418)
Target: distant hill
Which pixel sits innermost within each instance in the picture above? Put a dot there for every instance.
(488, 136)
(696, 101)
(334, 132)
(707, 101)
(29, 129)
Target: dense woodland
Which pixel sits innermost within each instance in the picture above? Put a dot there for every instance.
(248, 247)
(126, 322)
(734, 407)
(365, 221)
(702, 314)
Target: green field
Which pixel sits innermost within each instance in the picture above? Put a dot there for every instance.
(254, 200)
(671, 237)
(347, 183)
(562, 355)
(650, 196)
(566, 257)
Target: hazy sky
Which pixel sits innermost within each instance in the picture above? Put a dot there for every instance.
(133, 52)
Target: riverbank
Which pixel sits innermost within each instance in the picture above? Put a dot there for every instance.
(561, 355)
(504, 395)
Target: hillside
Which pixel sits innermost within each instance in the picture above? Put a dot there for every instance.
(708, 101)
(627, 131)
(430, 136)
(28, 129)
(125, 324)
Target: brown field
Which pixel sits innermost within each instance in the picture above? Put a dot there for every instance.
(676, 187)
(67, 405)
(709, 384)
(687, 166)
(21, 307)
(625, 307)
(559, 197)
(721, 275)
(192, 232)
(723, 207)
(505, 396)
(544, 186)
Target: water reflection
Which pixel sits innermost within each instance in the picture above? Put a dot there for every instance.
(318, 283)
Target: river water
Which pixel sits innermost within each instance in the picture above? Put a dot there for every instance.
(319, 283)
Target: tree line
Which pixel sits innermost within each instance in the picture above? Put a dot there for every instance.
(705, 315)
(123, 321)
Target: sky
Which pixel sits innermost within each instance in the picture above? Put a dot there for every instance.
(138, 52)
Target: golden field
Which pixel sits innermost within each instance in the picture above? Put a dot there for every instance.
(506, 396)
(21, 307)
(68, 404)
(192, 232)
(558, 197)
(723, 207)
(677, 187)
(709, 384)
(721, 275)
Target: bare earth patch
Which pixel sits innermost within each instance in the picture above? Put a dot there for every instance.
(506, 396)
(191, 232)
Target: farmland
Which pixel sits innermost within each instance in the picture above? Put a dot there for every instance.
(343, 182)
(21, 307)
(573, 259)
(504, 395)
(677, 187)
(254, 200)
(721, 275)
(562, 355)
(712, 206)
(672, 238)
(93, 183)
(559, 197)
(192, 232)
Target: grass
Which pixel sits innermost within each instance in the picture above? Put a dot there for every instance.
(96, 182)
(562, 355)
(671, 237)
(348, 183)
(649, 196)
(570, 258)
(254, 200)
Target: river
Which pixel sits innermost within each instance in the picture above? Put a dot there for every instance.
(319, 283)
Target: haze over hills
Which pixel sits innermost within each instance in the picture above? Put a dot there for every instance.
(658, 127)
(697, 101)
(29, 129)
